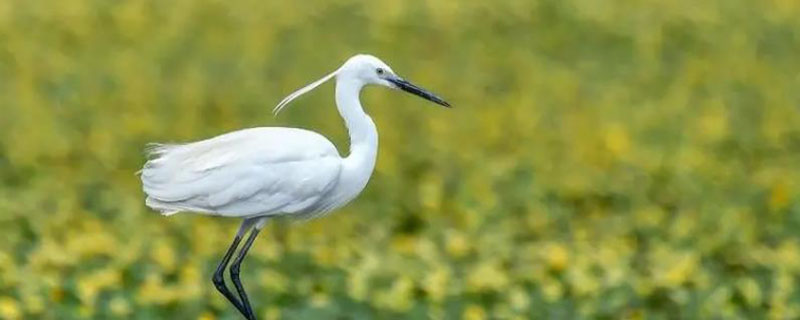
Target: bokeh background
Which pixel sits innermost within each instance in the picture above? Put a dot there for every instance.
(604, 159)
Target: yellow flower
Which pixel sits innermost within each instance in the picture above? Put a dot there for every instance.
(649, 216)
(357, 285)
(487, 276)
(430, 192)
(583, 282)
(398, 297)
(682, 268)
(154, 291)
(324, 255)
(85, 311)
(456, 244)
(713, 123)
(272, 313)
(557, 257)
(206, 316)
(91, 285)
(119, 306)
(6, 261)
(474, 312)
(405, 244)
(34, 303)
(552, 290)
(87, 290)
(617, 140)
(787, 255)
(750, 290)
(435, 283)
(9, 309)
(519, 299)
(91, 240)
(191, 282)
(779, 196)
(163, 254)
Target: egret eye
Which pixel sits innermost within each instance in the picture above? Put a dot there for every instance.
(380, 71)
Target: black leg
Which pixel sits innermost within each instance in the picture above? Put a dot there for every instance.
(219, 279)
(235, 273)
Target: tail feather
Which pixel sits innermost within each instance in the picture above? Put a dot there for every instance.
(162, 207)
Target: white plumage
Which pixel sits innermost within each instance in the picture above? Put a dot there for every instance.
(251, 172)
(262, 172)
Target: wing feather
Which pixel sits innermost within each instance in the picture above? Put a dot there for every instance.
(257, 171)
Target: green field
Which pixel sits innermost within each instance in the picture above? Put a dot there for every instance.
(604, 159)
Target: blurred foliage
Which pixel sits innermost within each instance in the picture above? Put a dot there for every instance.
(605, 159)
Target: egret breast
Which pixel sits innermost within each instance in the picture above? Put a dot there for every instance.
(356, 171)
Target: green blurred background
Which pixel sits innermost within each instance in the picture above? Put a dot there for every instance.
(604, 159)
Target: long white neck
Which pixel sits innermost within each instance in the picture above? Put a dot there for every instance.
(358, 165)
(362, 131)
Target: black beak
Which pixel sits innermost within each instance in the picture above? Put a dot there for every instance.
(409, 87)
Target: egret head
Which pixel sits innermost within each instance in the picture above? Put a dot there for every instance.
(368, 70)
(371, 70)
(365, 68)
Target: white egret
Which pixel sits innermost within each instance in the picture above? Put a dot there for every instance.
(258, 173)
